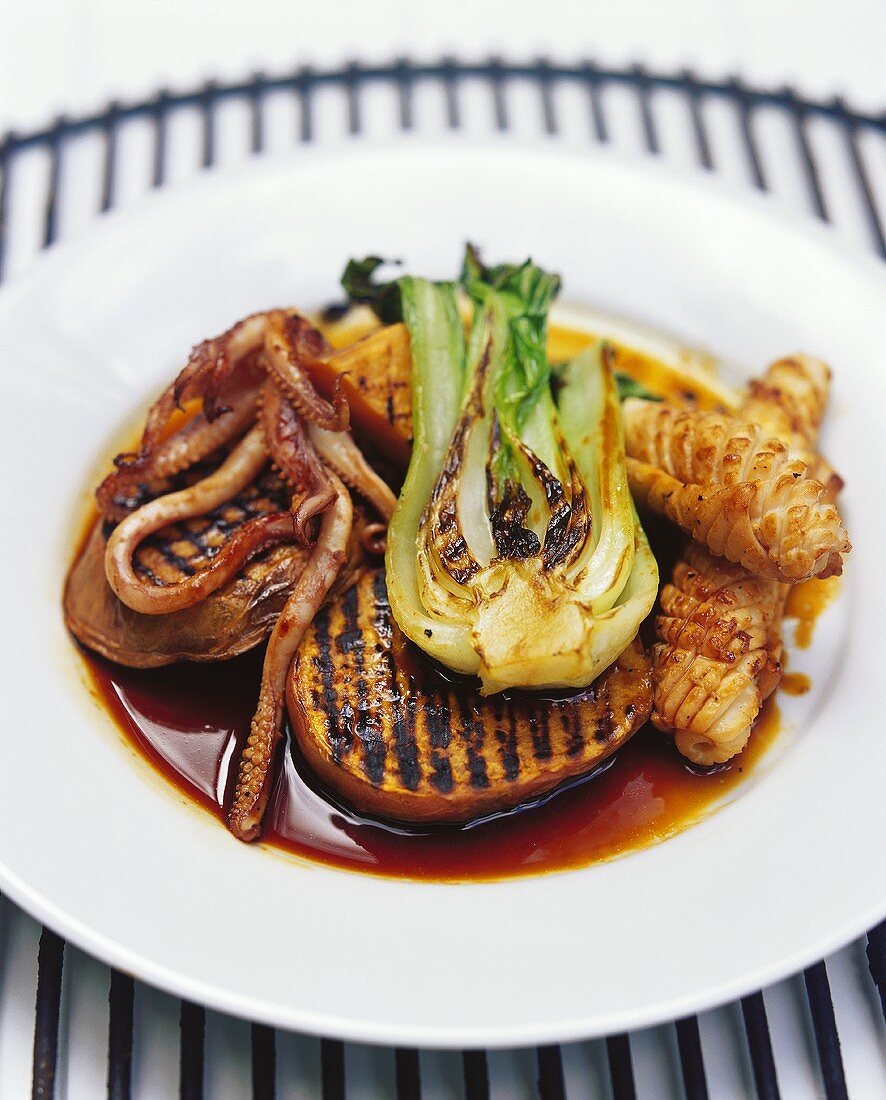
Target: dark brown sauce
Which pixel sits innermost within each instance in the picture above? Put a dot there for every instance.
(190, 720)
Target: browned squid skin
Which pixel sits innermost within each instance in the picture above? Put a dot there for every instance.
(255, 771)
(720, 642)
(746, 496)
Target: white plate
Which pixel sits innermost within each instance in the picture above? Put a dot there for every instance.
(93, 843)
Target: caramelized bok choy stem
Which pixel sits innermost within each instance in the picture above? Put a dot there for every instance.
(515, 553)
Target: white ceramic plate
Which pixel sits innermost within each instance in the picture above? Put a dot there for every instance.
(93, 843)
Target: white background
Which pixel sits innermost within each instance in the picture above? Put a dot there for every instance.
(75, 55)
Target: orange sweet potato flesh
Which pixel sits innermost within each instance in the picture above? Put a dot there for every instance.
(376, 378)
(388, 733)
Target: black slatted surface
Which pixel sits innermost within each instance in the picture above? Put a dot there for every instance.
(192, 1031)
(476, 1075)
(827, 1040)
(497, 76)
(332, 1068)
(50, 960)
(120, 1018)
(550, 1074)
(621, 1069)
(760, 1046)
(691, 1059)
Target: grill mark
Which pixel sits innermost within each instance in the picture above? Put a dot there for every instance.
(441, 778)
(405, 744)
(176, 560)
(146, 572)
(540, 732)
(472, 735)
(436, 711)
(366, 725)
(507, 739)
(337, 735)
(575, 742)
(510, 761)
(604, 731)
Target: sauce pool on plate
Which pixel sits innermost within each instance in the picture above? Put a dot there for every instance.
(190, 720)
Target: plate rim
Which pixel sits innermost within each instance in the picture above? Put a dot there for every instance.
(216, 996)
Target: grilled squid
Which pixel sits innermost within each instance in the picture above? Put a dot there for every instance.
(733, 487)
(254, 382)
(720, 644)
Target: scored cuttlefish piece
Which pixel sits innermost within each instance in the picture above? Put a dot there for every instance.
(720, 647)
(731, 485)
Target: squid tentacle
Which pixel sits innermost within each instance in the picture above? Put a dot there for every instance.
(195, 441)
(255, 770)
(290, 344)
(341, 454)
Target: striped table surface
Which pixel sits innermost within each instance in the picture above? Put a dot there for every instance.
(70, 1026)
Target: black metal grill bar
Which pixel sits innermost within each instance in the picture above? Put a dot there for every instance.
(256, 114)
(50, 960)
(109, 162)
(332, 1069)
(402, 74)
(551, 1085)
(121, 999)
(850, 131)
(621, 1068)
(407, 1073)
(192, 1032)
(449, 74)
(876, 953)
(303, 86)
(50, 215)
(6, 147)
(756, 1027)
(264, 1062)
(696, 117)
(546, 91)
(691, 1059)
(824, 1024)
(495, 71)
(807, 158)
(351, 86)
(207, 100)
(476, 1074)
(593, 81)
(745, 104)
(158, 111)
(647, 118)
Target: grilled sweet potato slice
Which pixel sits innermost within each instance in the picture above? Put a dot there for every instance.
(384, 730)
(238, 616)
